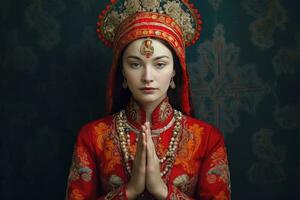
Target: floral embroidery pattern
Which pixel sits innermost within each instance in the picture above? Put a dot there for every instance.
(287, 60)
(181, 179)
(115, 182)
(160, 148)
(195, 128)
(114, 193)
(185, 183)
(76, 195)
(270, 15)
(101, 130)
(80, 165)
(196, 132)
(190, 142)
(177, 195)
(106, 142)
(150, 5)
(179, 11)
(165, 110)
(132, 6)
(268, 168)
(111, 155)
(221, 196)
(222, 85)
(173, 9)
(114, 21)
(219, 167)
(132, 110)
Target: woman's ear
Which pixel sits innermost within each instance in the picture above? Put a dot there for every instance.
(174, 73)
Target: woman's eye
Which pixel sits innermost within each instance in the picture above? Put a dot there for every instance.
(134, 65)
(160, 65)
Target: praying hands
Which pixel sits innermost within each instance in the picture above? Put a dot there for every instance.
(146, 169)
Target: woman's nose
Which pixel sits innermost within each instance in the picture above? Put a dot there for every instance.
(147, 74)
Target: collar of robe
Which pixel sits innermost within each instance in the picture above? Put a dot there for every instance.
(162, 118)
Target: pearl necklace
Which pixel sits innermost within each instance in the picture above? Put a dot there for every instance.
(167, 160)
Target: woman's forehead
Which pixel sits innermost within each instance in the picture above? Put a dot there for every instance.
(147, 48)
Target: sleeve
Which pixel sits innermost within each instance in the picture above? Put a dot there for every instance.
(83, 183)
(214, 177)
(175, 193)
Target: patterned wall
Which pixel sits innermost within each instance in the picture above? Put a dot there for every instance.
(245, 80)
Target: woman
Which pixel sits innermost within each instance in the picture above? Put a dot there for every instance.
(149, 147)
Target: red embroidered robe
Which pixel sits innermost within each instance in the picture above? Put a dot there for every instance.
(200, 170)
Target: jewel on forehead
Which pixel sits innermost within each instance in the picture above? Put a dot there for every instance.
(147, 49)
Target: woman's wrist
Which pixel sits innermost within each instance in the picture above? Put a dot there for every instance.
(162, 193)
(130, 192)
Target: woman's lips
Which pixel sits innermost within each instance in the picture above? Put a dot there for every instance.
(148, 90)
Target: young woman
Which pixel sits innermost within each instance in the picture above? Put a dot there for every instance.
(149, 147)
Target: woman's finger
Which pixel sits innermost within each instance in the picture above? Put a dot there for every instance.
(150, 143)
(143, 150)
(140, 147)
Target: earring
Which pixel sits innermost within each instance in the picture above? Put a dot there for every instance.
(172, 83)
(124, 84)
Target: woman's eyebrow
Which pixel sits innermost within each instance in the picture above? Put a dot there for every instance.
(160, 57)
(138, 58)
(134, 57)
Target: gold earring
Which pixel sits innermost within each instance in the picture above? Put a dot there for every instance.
(124, 84)
(172, 83)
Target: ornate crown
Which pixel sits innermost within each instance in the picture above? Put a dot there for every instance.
(181, 11)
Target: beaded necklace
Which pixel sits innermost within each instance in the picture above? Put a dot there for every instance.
(167, 160)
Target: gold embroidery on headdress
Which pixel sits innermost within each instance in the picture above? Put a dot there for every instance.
(146, 48)
(184, 14)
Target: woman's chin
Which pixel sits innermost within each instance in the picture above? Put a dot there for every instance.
(149, 99)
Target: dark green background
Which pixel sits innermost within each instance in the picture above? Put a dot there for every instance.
(244, 74)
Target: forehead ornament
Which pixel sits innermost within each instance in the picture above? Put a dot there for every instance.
(146, 48)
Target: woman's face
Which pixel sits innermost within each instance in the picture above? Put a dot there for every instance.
(148, 69)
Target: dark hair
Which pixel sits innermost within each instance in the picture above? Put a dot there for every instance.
(121, 96)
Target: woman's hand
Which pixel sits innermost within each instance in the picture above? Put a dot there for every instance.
(136, 185)
(154, 183)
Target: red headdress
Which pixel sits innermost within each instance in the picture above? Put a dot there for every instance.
(174, 21)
